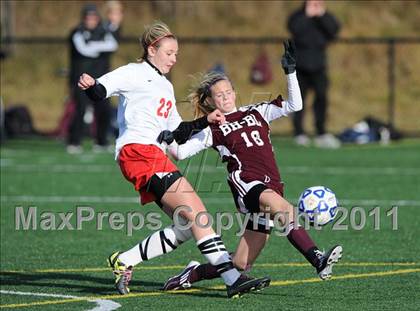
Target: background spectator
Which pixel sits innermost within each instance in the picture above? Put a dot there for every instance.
(113, 18)
(90, 42)
(312, 28)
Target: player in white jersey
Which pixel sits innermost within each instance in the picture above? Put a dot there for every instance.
(146, 107)
(244, 143)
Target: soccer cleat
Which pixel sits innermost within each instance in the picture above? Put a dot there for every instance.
(245, 284)
(327, 260)
(122, 273)
(182, 280)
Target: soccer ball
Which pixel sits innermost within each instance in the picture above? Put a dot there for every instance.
(319, 204)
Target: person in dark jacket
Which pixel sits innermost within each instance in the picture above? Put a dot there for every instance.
(312, 28)
(88, 43)
(113, 18)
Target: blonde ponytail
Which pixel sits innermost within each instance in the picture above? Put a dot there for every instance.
(152, 35)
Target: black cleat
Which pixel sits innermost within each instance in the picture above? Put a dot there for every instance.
(327, 261)
(246, 284)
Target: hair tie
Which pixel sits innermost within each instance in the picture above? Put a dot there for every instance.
(160, 38)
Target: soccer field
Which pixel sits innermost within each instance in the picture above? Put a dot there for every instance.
(56, 264)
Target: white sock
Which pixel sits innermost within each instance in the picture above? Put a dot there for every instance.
(230, 276)
(156, 244)
(214, 250)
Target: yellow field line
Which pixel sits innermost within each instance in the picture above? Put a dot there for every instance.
(274, 283)
(348, 276)
(345, 264)
(261, 265)
(339, 277)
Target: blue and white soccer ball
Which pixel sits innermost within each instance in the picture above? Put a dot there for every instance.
(319, 204)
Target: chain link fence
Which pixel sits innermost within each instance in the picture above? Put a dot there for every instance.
(375, 77)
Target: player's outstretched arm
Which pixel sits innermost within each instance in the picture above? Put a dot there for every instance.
(186, 129)
(197, 143)
(288, 62)
(278, 107)
(294, 97)
(183, 132)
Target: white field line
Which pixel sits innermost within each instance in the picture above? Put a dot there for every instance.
(218, 287)
(70, 199)
(59, 168)
(101, 304)
(9, 292)
(29, 199)
(9, 166)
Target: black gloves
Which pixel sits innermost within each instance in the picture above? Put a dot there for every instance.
(184, 131)
(166, 136)
(288, 60)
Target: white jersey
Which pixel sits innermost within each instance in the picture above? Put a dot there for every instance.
(146, 104)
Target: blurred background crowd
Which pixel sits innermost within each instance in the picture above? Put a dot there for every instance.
(357, 63)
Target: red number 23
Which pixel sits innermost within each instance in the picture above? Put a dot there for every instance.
(164, 108)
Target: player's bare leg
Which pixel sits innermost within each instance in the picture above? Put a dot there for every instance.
(273, 203)
(249, 247)
(181, 195)
(247, 251)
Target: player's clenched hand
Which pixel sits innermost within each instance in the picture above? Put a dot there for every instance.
(85, 81)
(166, 136)
(216, 117)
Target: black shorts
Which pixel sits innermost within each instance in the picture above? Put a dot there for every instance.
(158, 186)
(250, 204)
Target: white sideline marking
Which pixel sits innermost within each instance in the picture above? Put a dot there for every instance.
(102, 304)
(9, 165)
(220, 287)
(36, 294)
(59, 168)
(70, 199)
(28, 199)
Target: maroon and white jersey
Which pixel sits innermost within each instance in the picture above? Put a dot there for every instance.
(243, 141)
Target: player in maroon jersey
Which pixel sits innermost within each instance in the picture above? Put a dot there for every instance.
(243, 141)
(146, 106)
